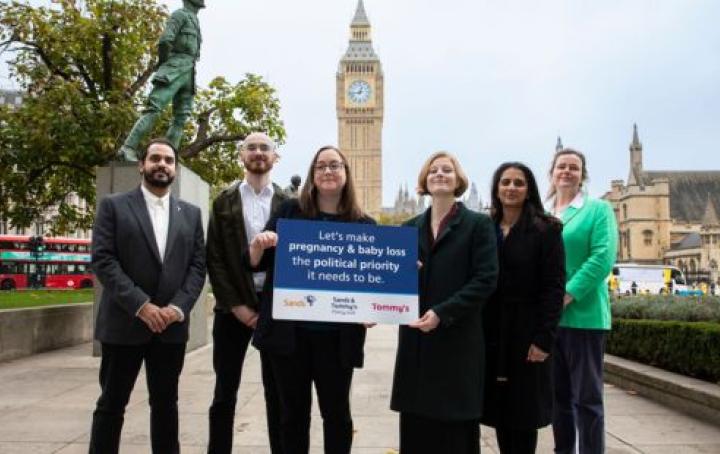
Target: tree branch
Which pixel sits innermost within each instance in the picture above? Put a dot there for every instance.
(37, 173)
(204, 124)
(141, 80)
(88, 80)
(197, 146)
(107, 61)
(46, 59)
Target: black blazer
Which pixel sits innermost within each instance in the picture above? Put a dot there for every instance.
(525, 309)
(126, 260)
(440, 374)
(227, 243)
(278, 336)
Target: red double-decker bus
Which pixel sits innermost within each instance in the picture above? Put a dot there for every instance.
(59, 263)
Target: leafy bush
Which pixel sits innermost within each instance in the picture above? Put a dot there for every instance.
(679, 308)
(688, 348)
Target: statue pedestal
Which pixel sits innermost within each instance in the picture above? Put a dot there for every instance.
(124, 176)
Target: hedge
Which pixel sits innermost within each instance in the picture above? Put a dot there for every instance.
(679, 308)
(688, 348)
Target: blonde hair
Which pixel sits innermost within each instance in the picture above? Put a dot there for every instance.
(462, 179)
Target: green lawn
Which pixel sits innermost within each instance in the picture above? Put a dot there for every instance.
(15, 299)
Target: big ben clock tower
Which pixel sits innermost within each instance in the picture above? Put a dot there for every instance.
(360, 112)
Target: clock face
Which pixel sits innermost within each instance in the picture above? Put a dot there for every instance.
(359, 91)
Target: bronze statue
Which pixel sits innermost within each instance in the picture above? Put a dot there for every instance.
(178, 50)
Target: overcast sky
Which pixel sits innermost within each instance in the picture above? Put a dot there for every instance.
(489, 80)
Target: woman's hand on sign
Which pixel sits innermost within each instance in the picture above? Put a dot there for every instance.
(369, 324)
(262, 241)
(428, 322)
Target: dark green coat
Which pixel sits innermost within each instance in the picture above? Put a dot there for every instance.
(440, 374)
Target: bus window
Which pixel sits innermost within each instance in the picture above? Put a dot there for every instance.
(678, 277)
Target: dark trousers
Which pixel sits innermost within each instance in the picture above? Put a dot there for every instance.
(119, 369)
(421, 435)
(230, 342)
(316, 359)
(578, 393)
(511, 441)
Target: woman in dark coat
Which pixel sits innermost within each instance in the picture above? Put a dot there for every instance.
(523, 313)
(303, 353)
(439, 369)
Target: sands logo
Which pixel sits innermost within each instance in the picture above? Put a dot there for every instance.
(305, 302)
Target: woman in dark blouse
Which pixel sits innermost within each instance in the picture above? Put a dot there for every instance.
(522, 315)
(303, 353)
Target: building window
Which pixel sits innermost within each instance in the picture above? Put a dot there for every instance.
(713, 265)
(624, 211)
(647, 237)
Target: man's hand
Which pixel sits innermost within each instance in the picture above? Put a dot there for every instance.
(428, 322)
(567, 299)
(246, 315)
(153, 317)
(171, 315)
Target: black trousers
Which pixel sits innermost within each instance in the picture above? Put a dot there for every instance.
(578, 393)
(421, 435)
(511, 441)
(230, 342)
(316, 359)
(119, 369)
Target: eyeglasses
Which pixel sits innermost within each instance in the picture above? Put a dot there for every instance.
(263, 147)
(334, 167)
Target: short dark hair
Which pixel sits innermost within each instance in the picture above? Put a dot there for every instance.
(158, 141)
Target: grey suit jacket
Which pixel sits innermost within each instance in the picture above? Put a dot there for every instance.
(126, 260)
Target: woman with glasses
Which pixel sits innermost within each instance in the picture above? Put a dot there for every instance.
(522, 315)
(439, 369)
(304, 352)
(590, 239)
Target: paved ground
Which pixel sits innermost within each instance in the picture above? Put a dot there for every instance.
(46, 403)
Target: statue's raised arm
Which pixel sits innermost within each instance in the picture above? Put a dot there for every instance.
(178, 51)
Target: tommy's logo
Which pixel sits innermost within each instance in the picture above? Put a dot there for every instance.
(399, 308)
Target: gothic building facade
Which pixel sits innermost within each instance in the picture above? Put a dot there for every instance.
(668, 216)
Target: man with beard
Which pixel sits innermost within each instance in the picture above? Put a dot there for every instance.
(239, 213)
(149, 255)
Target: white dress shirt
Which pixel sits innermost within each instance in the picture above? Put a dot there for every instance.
(256, 213)
(159, 212)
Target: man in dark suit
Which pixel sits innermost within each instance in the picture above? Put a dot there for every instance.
(239, 213)
(149, 255)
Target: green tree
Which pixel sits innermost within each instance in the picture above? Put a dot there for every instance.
(84, 67)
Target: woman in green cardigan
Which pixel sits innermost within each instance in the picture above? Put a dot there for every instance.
(590, 239)
(440, 366)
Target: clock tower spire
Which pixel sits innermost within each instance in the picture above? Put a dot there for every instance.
(359, 105)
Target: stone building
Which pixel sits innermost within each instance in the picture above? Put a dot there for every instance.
(406, 203)
(360, 106)
(668, 216)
